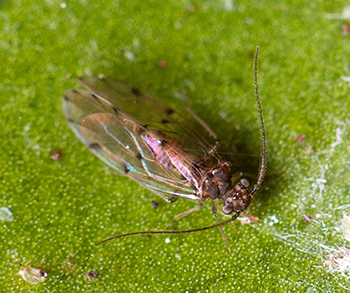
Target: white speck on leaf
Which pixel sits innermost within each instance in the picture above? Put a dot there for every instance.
(271, 220)
(344, 15)
(346, 227)
(129, 55)
(6, 214)
(228, 4)
(32, 275)
(345, 78)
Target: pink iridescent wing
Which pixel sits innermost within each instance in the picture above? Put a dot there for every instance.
(118, 139)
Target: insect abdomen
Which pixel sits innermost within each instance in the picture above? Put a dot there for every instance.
(165, 153)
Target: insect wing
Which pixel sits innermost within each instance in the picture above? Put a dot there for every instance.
(153, 113)
(117, 139)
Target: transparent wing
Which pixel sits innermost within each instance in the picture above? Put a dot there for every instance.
(118, 139)
(152, 113)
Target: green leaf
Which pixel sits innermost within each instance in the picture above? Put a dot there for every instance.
(62, 206)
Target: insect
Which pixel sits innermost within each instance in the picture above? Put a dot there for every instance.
(172, 154)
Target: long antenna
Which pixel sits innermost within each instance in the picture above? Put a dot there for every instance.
(263, 162)
(234, 217)
(262, 171)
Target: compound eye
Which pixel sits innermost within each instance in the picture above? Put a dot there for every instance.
(227, 210)
(245, 182)
(238, 187)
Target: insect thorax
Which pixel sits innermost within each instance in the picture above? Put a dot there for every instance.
(217, 184)
(216, 181)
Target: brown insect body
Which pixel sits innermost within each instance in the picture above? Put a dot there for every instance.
(210, 181)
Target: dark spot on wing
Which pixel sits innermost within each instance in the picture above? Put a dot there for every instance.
(96, 98)
(74, 91)
(116, 110)
(95, 146)
(164, 121)
(139, 156)
(126, 169)
(195, 166)
(169, 111)
(136, 92)
(100, 101)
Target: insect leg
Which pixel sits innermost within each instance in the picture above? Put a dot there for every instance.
(214, 209)
(207, 128)
(184, 214)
